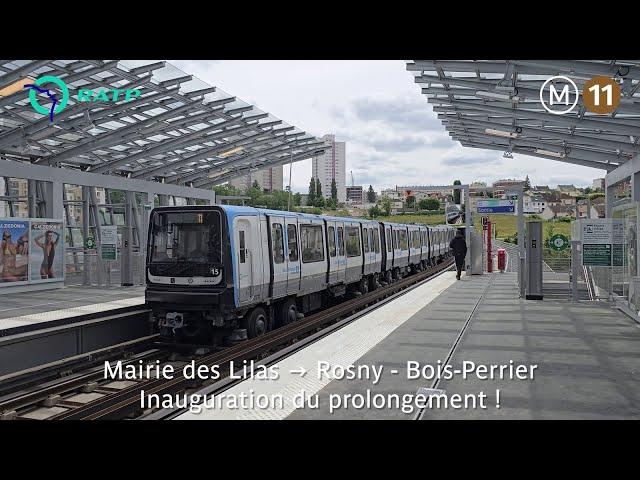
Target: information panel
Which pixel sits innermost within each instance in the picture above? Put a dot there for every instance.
(496, 206)
(602, 240)
(109, 243)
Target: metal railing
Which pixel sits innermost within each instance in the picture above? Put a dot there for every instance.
(86, 269)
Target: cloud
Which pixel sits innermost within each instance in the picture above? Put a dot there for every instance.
(398, 112)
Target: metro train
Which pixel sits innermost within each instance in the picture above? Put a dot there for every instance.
(234, 272)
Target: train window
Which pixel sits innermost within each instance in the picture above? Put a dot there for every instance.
(396, 243)
(389, 241)
(353, 241)
(371, 242)
(278, 243)
(365, 239)
(415, 239)
(340, 242)
(331, 238)
(243, 250)
(292, 243)
(404, 243)
(376, 240)
(311, 239)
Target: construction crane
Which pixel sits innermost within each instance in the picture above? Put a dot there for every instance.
(352, 182)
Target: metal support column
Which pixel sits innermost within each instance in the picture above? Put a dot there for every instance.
(32, 201)
(53, 199)
(126, 271)
(468, 225)
(93, 206)
(575, 269)
(521, 242)
(86, 280)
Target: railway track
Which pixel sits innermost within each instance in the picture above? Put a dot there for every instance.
(121, 399)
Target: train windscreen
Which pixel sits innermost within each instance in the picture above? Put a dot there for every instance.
(180, 239)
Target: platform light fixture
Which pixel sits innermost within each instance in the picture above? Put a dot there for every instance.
(550, 153)
(497, 96)
(501, 133)
(230, 152)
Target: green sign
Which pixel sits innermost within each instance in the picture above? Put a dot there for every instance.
(559, 242)
(109, 253)
(89, 242)
(596, 255)
(618, 255)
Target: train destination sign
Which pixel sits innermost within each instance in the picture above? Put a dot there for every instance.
(496, 206)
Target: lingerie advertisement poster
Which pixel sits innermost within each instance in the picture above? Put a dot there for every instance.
(14, 251)
(46, 251)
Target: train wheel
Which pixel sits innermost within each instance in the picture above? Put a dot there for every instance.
(288, 312)
(373, 282)
(256, 323)
(364, 285)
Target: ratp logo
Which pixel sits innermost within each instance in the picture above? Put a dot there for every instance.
(83, 95)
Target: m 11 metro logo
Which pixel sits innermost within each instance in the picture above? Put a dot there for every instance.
(559, 95)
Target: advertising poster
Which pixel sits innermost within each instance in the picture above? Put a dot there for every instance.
(14, 251)
(47, 251)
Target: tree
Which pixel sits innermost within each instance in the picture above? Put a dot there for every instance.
(312, 191)
(527, 184)
(375, 212)
(319, 195)
(225, 190)
(456, 192)
(429, 204)
(255, 184)
(371, 195)
(386, 206)
(297, 199)
(411, 201)
(334, 191)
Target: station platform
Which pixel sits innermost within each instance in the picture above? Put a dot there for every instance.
(586, 357)
(31, 310)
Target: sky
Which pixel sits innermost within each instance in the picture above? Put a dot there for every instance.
(392, 135)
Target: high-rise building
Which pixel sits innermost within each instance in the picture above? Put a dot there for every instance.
(269, 179)
(355, 195)
(598, 183)
(331, 165)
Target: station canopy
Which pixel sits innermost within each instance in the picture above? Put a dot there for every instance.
(180, 129)
(496, 105)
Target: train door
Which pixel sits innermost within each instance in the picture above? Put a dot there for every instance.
(293, 256)
(341, 260)
(244, 235)
(278, 260)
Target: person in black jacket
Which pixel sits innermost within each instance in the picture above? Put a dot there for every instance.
(459, 247)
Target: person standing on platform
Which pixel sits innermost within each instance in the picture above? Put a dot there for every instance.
(459, 247)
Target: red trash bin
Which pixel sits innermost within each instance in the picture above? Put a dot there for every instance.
(502, 259)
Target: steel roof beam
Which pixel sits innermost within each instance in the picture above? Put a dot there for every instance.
(201, 155)
(286, 159)
(548, 132)
(21, 72)
(568, 159)
(192, 175)
(197, 136)
(576, 153)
